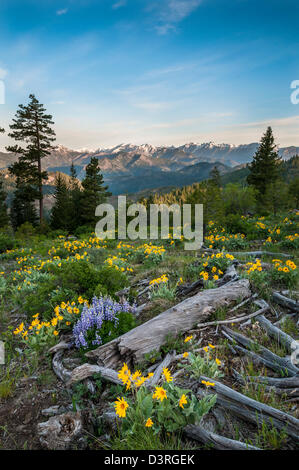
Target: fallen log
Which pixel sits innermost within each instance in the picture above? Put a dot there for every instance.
(230, 275)
(181, 318)
(277, 363)
(254, 411)
(260, 253)
(187, 289)
(285, 387)
(283, 338)
(198, 433)
(285, 301)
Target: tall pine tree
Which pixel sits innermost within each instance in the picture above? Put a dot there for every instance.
(32, 127)
(23, 202)
(75, 194)
(264, 169)
(215, 177)
(60, 213)
(94, 192)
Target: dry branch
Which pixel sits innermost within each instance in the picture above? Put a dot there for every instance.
(234, 319)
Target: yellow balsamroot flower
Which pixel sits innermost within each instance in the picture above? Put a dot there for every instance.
(188, 339)
(136, 375)
(185, 354)
(183, 401)
(167, 374)
(124, 374)
(140, 381)
(149, 423)
(55, 333)
(211, 346)
(215, 277)
(160, 393)
(207, 383)
(121, 407)
(218, 362)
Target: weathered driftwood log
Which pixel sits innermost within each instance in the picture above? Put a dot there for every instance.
(187, 289)
(88, 370)
(230, 275)
(234, 319)
(283, 338)
(198, 433)
(285, 301)
(178, 319)
(288, 387)
(254, 411)
(277, 363)
(62, 432)
(260, 253)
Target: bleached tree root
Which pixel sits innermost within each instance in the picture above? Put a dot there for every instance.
(254, 411)
(62, 373)
(88, 370)
(198, 433)
(132, 346)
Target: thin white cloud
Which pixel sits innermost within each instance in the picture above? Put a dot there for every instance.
(63, 11)
(119, 4)
(171, 12)
(177, 10)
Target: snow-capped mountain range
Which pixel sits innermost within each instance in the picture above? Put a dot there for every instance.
(131, 168)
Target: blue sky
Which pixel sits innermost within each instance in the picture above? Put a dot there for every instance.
(153, 71)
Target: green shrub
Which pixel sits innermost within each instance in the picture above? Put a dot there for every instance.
(6, 243)
(111, 279)
(25, 231)
(79, 276)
